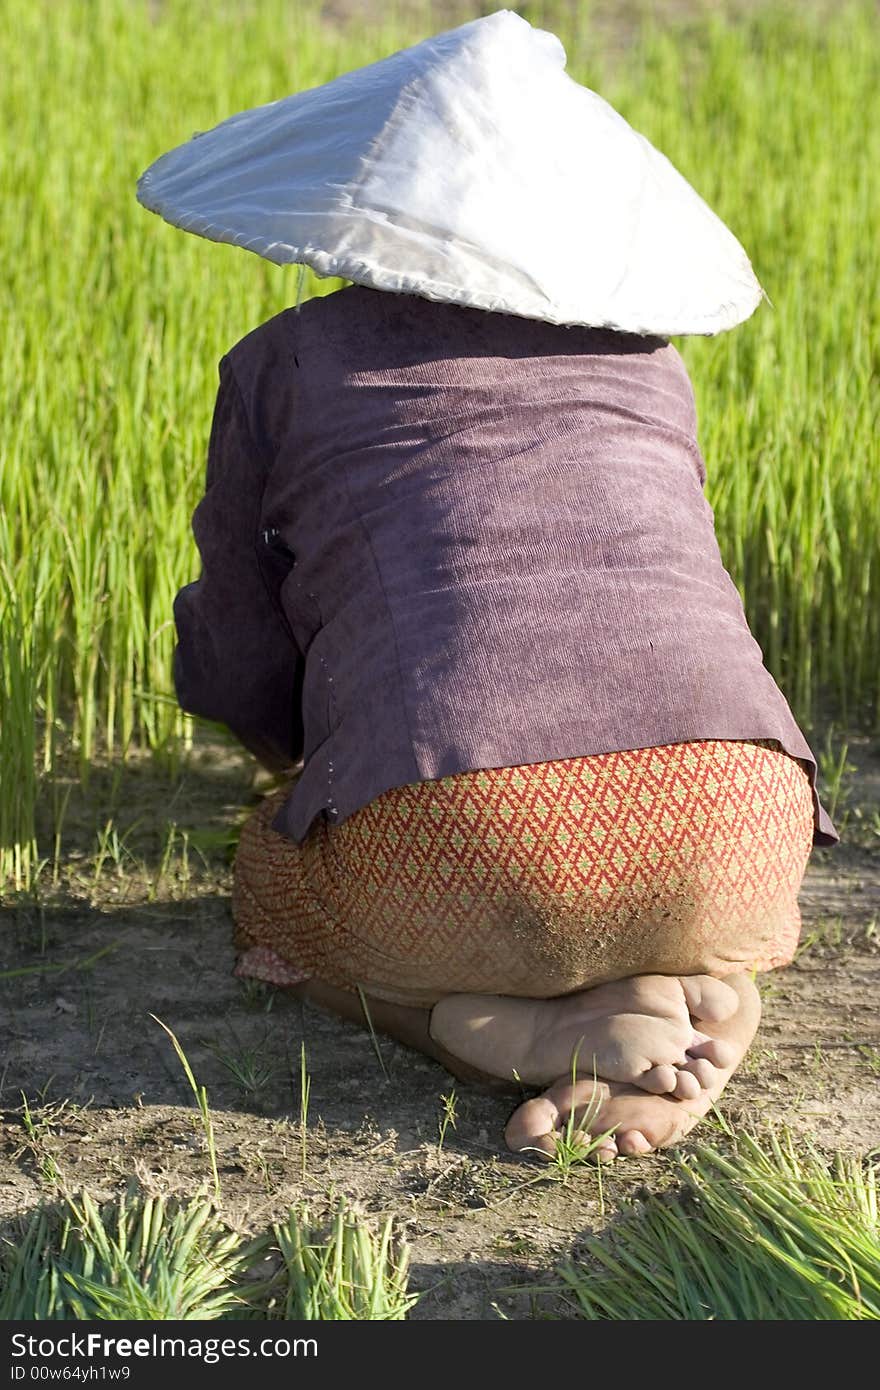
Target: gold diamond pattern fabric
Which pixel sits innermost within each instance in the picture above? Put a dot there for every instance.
(538, 879)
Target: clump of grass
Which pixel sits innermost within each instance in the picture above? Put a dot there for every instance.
(770, 1232)
(141, 1258)
(248, 1065)
(37, 1129)
(574, 1145)
(348, 1273)
(149, 1258)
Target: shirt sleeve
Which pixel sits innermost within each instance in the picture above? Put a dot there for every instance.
(236, 661)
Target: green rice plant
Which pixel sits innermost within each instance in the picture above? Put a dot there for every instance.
(31, 1128)
(18, 695)
(349, 1273)
(113, 847)
(368, 1019)
(37, 1130)
(769, 1232)
(305, 1090)
(114, 323)
(248, 1065)
(575, 1145)
(48, 967)
(201, 1095)
(449, 1117)
(835, 773)
(171, 855)
(138, 1257)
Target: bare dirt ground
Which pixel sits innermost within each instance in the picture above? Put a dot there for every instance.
(140, 925)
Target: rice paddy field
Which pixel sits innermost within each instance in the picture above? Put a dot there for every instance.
(176, 1143)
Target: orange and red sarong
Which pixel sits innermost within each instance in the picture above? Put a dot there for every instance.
(538, 879)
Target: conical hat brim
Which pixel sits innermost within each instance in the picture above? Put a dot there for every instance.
(472, 169)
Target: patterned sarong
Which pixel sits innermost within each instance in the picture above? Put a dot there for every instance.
(538, 879)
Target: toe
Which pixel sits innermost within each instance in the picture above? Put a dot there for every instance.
(632, 1142)
(643, 1122)
(721, 1053)
(660, 1080)
(687, 1086)
(709, 999)
(607, 1151)
(535, 1124)
(702, 1071)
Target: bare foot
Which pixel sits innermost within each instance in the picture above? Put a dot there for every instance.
(639, 1030)
(641, 1123)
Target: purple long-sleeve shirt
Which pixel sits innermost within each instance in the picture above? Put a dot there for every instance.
(436, 539)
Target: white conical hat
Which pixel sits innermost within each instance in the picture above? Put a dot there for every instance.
(472, 169)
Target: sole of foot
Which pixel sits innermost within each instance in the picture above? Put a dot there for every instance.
(640, 1122)
(642, 1030)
